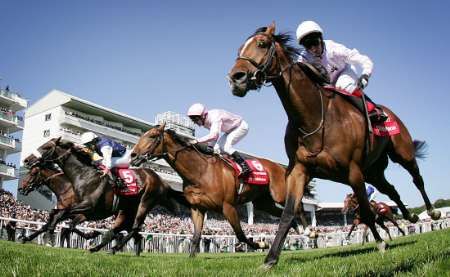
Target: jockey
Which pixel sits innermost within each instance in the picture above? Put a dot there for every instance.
(216, 120)
(113, 153)
(339, 62)
(370, 193)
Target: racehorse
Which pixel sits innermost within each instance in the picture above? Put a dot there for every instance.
(95, 191)
(61, 187)
(211, 183)
(382, 211)
(325, 135)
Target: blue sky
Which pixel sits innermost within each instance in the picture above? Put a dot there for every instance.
(145, 57)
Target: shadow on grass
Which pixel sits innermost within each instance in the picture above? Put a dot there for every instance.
(346, 253)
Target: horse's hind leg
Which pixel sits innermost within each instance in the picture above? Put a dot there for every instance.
(385, 187)
(118, 226)
(404, 153)
(198, 217)
(231, 214)
(390, 217)
(381, 223)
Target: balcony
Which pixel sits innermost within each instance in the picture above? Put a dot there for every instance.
(13, 122)
(10, 144)
(7, 173)
(12, 100)
(99, 127)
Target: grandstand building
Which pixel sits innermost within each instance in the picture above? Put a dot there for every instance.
(10, 123)
(59, 114)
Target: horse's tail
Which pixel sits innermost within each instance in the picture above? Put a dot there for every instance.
(420, 149)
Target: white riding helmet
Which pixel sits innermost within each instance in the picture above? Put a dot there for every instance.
(197, 109)
(87, 137)
(307, 27)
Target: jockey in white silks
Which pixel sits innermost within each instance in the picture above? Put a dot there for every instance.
(339, 61)
(234, 128)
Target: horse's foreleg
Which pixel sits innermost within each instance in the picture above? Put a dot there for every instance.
(52, 220)
(380, 221)
(390, 217)
(356, 181)
(351, 230)
(198, 217)
(296, 182)
(147, 202)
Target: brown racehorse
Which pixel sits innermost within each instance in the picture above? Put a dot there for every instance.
(96, 191)
(47, 174)
(382, 211)
(325, 135)
(210, 183)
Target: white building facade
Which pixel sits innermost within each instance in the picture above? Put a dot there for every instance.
(59, 114)
(10, 123)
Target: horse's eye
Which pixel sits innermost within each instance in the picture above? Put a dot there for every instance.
(261, 44)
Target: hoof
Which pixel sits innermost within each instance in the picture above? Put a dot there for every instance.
(112, 252)
(266, 267)
(434, 214)
(382, 246)
(93, 249)
(413, 218)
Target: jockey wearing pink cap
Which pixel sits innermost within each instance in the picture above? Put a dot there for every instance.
(217, 121)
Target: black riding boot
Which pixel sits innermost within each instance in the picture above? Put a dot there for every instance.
(245, 168)
(378, 115)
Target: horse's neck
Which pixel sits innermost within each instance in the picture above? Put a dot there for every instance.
(298, 94)
(58, 184)
(187, 163)
(73, 168)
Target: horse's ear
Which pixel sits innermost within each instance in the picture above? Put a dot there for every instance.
(162, 126)
(271, 29)
(58, 140)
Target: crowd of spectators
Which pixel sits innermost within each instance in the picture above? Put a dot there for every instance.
(161, 221)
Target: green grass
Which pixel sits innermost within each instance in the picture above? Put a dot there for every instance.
(418, 255)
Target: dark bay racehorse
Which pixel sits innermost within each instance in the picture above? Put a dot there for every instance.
(325, 135)
(382, 211)
(67, 197)
(95, 192)
(210, 183)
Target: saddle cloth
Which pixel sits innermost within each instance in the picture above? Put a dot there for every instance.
(129, 179)
(258, 176)
(389, 127)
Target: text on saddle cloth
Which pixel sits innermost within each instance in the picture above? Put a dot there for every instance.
(258, 176)
(128, 177)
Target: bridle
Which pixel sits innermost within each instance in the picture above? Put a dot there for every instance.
(34, 182)
(261, 78)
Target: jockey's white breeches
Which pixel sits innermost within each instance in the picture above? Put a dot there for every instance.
(121, 161)
(227, 140)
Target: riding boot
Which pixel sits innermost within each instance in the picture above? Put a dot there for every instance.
(377, 115)
(246, 170)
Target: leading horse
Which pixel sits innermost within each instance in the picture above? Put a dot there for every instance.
(325, 135)
(211, 183)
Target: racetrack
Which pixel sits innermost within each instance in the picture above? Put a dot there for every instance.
(417, 255)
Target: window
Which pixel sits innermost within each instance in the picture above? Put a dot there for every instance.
(46, 133)
(48, 117)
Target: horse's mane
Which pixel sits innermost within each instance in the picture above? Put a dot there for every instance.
(80, 153)
(283, 39)
(178, 138)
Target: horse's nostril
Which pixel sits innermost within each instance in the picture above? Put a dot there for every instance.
(239, 76)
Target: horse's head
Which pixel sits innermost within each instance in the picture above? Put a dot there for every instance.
(54, 151)
(350, 203)
(32, 179)
(258, 60)
(149, 146)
